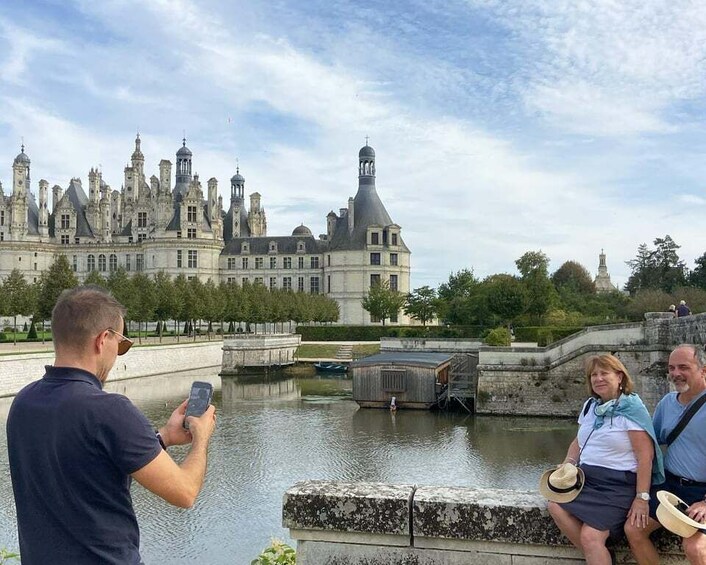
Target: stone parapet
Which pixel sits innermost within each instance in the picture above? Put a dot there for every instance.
(443, 345)
(17, 371)
(375, 524)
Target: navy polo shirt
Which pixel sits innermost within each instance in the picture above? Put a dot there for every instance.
(72, 448)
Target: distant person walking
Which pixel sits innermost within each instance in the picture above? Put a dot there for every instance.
(74, 448)
(683, 310)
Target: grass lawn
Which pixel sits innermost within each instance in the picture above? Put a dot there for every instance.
(317, 351)
(325, 351)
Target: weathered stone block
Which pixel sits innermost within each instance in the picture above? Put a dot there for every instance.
(348, 507)
(488, 514)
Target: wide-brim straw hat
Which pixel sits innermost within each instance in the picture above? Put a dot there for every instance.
(562, 484)
(674, 519)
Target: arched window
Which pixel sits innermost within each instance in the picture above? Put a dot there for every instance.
(113, 263)
(101, 263)
(91, 263)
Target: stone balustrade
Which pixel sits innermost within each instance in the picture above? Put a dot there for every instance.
(375, 524)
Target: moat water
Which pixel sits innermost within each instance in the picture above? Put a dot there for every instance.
(274, 432)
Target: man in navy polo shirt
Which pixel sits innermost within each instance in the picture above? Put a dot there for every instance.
(73, 448)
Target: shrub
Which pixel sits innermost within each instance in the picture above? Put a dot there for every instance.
(32, 333)
(278, 553)
(498, 336)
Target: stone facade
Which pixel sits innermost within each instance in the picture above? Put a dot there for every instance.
(148, 225)
(375, 524)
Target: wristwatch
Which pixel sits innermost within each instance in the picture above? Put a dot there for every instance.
(643, 496)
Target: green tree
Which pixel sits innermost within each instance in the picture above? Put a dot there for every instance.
(120, 285)
(574, 277)
(456, 297)
(697, 277)
(94, 277)
(52, 283)
(167, 301)
(534, 270)
(18, 298)
(506, 296)
(658, 268)
(382, 302)
(144, 302)
(422, 304)
(648, 300)
(180, 289)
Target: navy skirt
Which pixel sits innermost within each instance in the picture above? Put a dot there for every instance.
(605, 500)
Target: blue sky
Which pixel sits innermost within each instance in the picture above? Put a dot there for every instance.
(500, 126)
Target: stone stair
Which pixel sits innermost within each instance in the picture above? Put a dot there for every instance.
(344, 353)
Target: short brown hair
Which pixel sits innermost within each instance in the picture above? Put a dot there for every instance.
(611, 363)
(81, 313)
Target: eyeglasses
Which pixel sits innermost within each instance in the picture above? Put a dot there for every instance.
(124, 344)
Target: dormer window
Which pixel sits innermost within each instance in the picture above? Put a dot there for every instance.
(273, 247)
(300, 247)
(245, 247)
(375, 238)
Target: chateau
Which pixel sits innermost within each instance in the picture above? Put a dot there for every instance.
(152, 225)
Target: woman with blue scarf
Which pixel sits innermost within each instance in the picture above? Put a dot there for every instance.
(619, 457)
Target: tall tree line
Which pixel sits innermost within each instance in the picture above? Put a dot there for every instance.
(161, 299)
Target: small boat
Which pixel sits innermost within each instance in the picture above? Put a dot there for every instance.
(328, 367)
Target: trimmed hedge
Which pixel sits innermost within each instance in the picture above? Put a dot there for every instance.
(374, 333)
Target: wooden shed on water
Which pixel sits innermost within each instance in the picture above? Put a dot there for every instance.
(414, 378)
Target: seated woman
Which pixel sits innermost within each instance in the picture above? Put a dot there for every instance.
(617, 451)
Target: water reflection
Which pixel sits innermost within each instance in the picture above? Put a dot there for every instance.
(270, 387)
(277, 430)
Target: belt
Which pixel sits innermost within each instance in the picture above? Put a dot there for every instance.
(683, 481)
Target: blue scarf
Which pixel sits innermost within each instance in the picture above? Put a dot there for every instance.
(631, 407)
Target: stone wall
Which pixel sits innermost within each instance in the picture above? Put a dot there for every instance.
(16, 371)
(374, 524)
(431, 345)
(550, 381)
(264, 350)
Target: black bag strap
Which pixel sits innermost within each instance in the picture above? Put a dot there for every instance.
(588, 406)
(685, 419)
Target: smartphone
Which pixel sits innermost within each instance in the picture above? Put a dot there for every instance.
(199, 399)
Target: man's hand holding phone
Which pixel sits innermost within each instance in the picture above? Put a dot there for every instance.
(201, 427)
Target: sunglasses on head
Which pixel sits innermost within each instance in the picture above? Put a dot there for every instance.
(124, 344)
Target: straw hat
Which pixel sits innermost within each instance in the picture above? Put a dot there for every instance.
(672, 518)
(562, 484)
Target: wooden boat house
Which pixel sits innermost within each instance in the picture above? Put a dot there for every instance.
(415, 379)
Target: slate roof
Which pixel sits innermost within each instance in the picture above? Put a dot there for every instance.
(368, 210)
(285, 245)
(78, 200)
(404, 358)
(228, 223)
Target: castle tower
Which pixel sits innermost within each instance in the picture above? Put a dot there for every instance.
(20, 195)
(237, 187)
(43, 222)
(602, 281)
(57, 193)
(256, 217)
(183, 171)
(93, 212)
(106, 223)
